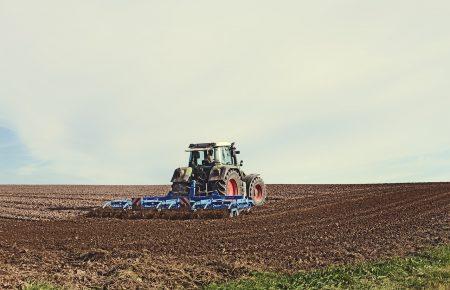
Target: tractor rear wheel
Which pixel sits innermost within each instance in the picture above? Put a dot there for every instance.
(256, 189)
(231, 185)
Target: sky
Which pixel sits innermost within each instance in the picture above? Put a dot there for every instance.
(112, 92)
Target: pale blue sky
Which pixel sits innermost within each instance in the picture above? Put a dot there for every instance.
(312, 91)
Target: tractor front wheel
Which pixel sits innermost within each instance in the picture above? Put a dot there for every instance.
(256, 189)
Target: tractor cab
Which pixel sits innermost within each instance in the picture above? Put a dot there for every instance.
(211, 154)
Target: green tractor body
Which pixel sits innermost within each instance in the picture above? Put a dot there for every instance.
(215, 167)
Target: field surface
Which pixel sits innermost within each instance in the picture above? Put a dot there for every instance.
(44, 235)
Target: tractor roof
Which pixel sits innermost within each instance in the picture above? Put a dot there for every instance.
(204, 146)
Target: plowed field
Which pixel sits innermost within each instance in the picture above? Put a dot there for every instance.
(44, 235)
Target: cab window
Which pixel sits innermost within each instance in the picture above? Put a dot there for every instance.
(226, 156)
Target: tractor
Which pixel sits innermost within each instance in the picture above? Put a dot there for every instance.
(215, 168)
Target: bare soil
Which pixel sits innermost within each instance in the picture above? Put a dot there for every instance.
(45, 236)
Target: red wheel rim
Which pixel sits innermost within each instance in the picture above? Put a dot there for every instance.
(258, 194)
(232, 188)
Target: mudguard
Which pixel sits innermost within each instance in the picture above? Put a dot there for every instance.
(181, 174)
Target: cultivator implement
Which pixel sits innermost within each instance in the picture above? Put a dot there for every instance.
(172, 206)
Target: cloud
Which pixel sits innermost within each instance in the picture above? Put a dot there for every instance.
(312, 92)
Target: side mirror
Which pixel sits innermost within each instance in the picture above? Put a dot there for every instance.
(241, 163)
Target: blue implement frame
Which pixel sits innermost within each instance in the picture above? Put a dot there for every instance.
(214, 201)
